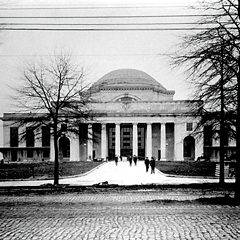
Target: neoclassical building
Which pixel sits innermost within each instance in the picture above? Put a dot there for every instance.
(136, 115)
(141, 118)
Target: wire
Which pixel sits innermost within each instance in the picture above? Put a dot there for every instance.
(95, 55)
(120, 16)
(101, 24)
(93, 7)
(104, 29)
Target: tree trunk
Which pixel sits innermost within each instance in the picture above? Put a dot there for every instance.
(56, 162)
(237, 183)
(222, 130)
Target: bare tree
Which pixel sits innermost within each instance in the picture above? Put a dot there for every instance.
(54, 94)
(212, 57)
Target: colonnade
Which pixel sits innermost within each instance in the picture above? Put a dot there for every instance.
(161, 140)
(148, 145)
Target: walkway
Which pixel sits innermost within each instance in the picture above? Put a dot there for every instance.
(122, 174)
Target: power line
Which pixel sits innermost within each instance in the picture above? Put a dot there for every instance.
(106, 29)
(95, 55)
(106, 17)
(102, 24)
(94, 7)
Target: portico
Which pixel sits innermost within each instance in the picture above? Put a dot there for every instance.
(159, 140)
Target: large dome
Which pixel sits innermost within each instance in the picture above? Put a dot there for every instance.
(127, 78)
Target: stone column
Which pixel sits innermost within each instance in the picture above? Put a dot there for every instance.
(163, 141)
(74, 148)
(135, 139)
(90, 143)
(149, 141)
(178, 141)
(103, 141)
(117, 139)
(52, 149)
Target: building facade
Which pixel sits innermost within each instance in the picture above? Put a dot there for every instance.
(136, 115)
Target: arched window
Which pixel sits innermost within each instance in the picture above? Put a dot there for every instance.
(126, 99)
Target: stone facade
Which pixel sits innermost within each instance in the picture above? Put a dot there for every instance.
(136, 116)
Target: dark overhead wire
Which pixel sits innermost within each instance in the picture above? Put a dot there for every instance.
(105, 29)
(96, 55)
(106, 17)
(94, 7)
(101, 24)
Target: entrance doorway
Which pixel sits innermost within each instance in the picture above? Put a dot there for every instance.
(126, 140)
(64, 148)
(14, 155)
(189, 148)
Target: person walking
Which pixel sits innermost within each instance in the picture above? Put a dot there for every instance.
(135, 160)
(130, 160)
(116, 160)
(147, 162)
(152, 164)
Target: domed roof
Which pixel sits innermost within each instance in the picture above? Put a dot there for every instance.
(127, 78)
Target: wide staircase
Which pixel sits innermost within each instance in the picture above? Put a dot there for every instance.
(122, 174)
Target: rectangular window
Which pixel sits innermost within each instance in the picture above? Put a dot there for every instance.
(46, 153)
(29, 137)
(126, 137)
(45, 136)
(207, 137)
(29, 153)
(111, 139)
(13, 137)
(189, 126)
(226, 137)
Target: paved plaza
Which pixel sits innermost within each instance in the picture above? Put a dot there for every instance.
(123, 215)
(122, 174)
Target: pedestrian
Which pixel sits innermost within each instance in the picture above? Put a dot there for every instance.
(130, 160)
(147, 162)
(116, 160)
(152, 164)
(135, 160)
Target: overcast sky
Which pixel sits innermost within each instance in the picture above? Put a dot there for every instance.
(99, 51)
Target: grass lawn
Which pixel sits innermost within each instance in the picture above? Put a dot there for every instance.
(187, 168)
(46, 170)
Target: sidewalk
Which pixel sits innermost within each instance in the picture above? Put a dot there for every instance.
(122, 174)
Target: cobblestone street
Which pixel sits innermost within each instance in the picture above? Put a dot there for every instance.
(123, 215)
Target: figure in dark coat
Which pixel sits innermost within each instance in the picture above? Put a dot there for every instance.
(147, 162)
(135, 160)
(130, 160)
(116, 159)
(152, 164)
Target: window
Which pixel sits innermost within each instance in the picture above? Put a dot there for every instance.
(63, 127)
(29, 153)
(29, 137)
(111, 138)
(45, 136)
(141, 137)
(189, 126)
(126, 137)
(13, 137)
(46, 153)
(207, 138)
(126, 99)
